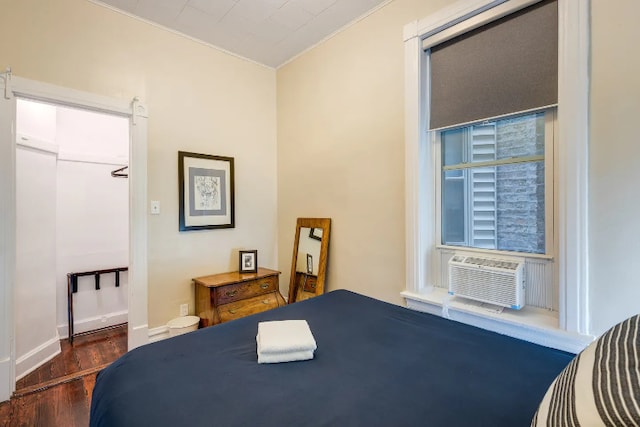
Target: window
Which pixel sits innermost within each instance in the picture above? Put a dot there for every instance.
(494, 183)
(492, 177)
(424, 274)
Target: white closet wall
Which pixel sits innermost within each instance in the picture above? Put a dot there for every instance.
(72, 216)
(35, 312)
(92, 216)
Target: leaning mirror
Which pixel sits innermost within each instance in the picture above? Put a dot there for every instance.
(309, 262)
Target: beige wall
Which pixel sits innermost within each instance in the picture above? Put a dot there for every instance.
(340, 154)
(341, 150)
(200, 99)
(614, 173)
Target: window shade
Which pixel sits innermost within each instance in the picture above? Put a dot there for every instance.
(506, 66)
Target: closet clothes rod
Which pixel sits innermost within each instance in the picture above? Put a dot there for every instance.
(118, 173)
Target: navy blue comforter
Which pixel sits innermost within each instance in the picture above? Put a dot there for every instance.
(376, 364)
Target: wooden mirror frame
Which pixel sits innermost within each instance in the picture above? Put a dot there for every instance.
(325, 224)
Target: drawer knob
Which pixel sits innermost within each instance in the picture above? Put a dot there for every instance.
(231, 293)
(232, 311)
(264, 285)
(266, 301)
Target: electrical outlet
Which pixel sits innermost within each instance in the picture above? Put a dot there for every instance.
(155, 207)
(184, 309)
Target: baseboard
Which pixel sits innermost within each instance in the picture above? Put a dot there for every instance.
(534, 326)
(36, 357)
(138, 335)
(92, 323)
(158, 334)
(7, 383)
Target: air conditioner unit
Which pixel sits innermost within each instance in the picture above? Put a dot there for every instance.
(490, 280)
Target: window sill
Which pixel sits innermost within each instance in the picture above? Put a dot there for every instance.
(493, 252)
(530, 323)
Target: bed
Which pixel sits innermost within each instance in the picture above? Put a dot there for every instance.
(377, 364)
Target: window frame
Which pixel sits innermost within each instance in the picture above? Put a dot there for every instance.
(571, 162)
(551, 136)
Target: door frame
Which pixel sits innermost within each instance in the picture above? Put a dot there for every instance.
(136, 112)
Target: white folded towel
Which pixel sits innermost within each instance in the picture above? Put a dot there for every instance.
(291, 356)
(284, 336)
(284, 341)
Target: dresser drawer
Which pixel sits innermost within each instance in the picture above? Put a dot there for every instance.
(310, 284)
(239, 291)
(248, 306)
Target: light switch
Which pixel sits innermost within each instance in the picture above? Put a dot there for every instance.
(155, 207)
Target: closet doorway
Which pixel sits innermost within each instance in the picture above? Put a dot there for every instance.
(13, 88)
(72, 218)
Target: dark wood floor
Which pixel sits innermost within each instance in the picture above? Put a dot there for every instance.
(59, 392)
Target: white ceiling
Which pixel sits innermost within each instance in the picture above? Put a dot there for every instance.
(266, 31)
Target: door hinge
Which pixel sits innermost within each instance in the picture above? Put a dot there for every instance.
(138, 110)
(6, 77)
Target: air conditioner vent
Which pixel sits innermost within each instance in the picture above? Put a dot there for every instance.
(491, 280)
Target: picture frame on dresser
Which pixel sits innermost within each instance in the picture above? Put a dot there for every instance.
(206, 191)
(248, 261)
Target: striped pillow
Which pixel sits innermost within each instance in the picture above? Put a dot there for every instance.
(601, 385)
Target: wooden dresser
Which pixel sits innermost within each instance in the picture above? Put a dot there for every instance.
(227, 296)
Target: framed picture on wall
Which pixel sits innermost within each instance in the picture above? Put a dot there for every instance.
(206, 191)
(248, 262)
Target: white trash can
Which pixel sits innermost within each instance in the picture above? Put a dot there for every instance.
(182, 325)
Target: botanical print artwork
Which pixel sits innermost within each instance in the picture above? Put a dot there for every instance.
(207, 194)
(205, 191)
